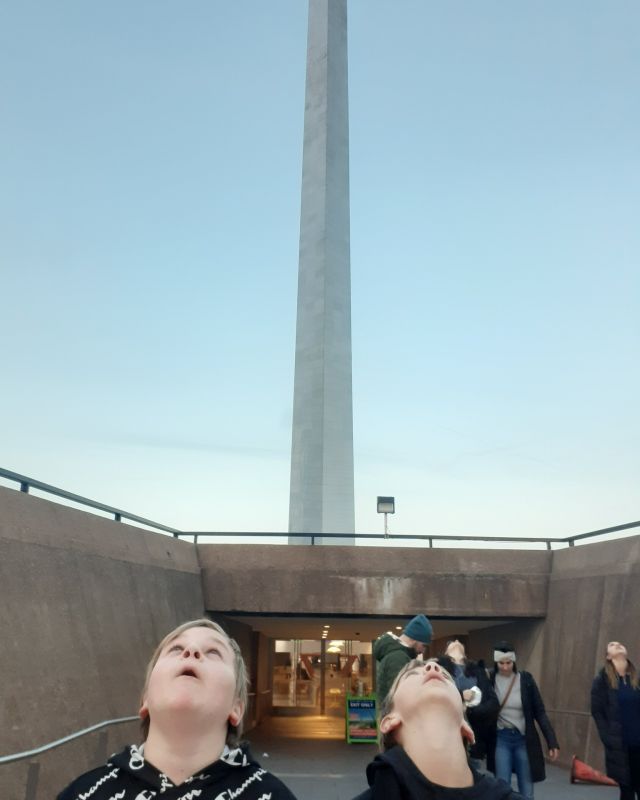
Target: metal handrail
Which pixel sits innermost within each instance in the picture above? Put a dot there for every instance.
(603, 530)
(430, 537)
(118, 514)
(50, 746)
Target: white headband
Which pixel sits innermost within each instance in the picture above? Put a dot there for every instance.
(498, 655)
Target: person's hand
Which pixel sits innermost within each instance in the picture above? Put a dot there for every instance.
(554, 753)
(472, 697)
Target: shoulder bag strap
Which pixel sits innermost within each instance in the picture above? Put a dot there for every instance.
(506, 697)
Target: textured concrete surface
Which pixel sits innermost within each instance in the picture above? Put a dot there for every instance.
(374, 581)
(321, 495)
(256, 651)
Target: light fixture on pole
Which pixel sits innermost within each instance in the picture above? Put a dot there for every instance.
(386, 505)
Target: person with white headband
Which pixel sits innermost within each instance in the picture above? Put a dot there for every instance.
(517, 744)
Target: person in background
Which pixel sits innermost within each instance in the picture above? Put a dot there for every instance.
(192, 704)
(478, 696)
(393, 652)
(518, 746)
(423, 733)
(615, 707)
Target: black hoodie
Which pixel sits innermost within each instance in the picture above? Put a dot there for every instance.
(127, 776)
(394, 776)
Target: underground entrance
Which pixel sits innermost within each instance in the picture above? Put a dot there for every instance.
(305, 667)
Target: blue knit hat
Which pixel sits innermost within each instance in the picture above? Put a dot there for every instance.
(419, 629)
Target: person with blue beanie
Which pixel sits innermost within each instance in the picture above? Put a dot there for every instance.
(393, 652)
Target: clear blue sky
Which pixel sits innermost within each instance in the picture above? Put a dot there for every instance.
(150, 162)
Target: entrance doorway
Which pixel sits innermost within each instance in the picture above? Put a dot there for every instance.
(314, 676)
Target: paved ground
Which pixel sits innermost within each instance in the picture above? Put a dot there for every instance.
(312, 758)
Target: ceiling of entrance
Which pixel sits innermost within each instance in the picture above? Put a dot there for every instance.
(363, 629)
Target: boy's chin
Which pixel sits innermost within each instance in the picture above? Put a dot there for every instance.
(440, 700)
(184, 704)
(181, 704)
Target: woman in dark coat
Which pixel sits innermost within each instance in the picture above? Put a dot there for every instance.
(517, 744)
(615, 707)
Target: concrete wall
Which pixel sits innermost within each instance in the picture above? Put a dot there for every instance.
(374, 581)
(84, 602)
(594, 597)
(264, 682)
(86, 599)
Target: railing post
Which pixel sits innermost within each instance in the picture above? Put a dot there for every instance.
(548, 545)
(24, 487)
(117, 517)
(571, 543)
(102, 753)
(32, 780)
(430, 542)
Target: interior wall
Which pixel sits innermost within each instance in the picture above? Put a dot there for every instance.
(525, 635)
(264, 684)
(248, 643)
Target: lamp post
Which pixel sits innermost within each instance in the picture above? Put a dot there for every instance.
(386, 505)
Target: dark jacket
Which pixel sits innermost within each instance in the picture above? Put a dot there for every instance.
(391, 656)
(534, 711)
(482, 717)
(394, 776)
(606, 713)
(127, 776)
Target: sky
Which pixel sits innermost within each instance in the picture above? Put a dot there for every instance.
(150, 165)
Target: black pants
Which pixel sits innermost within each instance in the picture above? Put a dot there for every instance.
(632, 792)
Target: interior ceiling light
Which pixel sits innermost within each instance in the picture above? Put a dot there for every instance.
(333, 649)
(337, 643)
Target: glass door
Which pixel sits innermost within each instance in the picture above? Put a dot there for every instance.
(315, 677)
(297, 674)
(347, 672)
